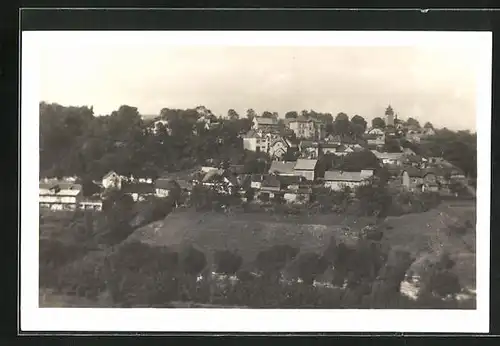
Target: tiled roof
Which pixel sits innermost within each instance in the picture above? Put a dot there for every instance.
(344, 176)
(414, 172)
(164, 183)
(271, 181)
(257, 178)
(265, 121)
(305, 164)
(391, 156)
(329, 145)
(290, 180)
(108, 174)
(212, 174)
(282, 167)
(59, 188)
(138, 188)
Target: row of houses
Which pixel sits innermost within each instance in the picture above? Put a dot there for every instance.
(64, 195)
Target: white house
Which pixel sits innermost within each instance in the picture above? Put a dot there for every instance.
(265, 124)
(307, 128)
(59, 195)
(256, 140)
(375, 131)
(282, 168)
(256, 181)
(277, 148)
(162, 187)
(112, 180)
(159, 123)
(306, 168)
(389, 158)
(91, 203)
(337, 180)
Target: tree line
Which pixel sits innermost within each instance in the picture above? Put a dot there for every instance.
(73, 141)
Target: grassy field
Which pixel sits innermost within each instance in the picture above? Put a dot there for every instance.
(50, 299)
(248, 234)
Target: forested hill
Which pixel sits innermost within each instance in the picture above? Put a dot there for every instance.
(73, 141)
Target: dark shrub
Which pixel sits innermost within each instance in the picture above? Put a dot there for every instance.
(227, 262)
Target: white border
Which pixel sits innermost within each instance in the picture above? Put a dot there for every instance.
(235, 320)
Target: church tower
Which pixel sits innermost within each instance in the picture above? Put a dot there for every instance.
(389, 116)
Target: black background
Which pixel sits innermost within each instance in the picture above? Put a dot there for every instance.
(256, 19)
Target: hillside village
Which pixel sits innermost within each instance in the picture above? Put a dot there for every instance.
(291, 206)
(295, 171)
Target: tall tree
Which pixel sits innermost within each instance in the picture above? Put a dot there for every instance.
(413, 122)
(267, 114)
(378, 123)
(341, 124)
(232, 114)
(251, 113)
(291, 115)
(428, 125)
(358, 126)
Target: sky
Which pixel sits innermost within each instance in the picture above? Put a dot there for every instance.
(430, 83)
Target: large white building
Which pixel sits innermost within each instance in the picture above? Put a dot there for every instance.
(337, 180)
(265, 124)
(58, 195)
(307, 128)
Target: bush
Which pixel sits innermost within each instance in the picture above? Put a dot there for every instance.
(192, 261)
(310, 265)
(274, 259)
(227, 262)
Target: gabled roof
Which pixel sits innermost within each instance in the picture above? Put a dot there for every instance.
(212, 175)
(244, 180)
(413, 172)
(308, 144)
(290, 180)
(163, 183)
(299, 119)
(334, 138)
(305, 164)
(414, 158)
(330, 145)
(271, 181)
(59, 188)
(251, 134)
(344, 176)
(265, 121)
(110, 173)
(257, 178)
(303, 119)
(391, 156)
(237, 169)
(138, 188)
(282, 167)
(278, 140)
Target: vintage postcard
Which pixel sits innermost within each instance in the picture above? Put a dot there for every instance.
(255, 181)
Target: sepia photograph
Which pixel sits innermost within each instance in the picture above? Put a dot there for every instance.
(226, 181)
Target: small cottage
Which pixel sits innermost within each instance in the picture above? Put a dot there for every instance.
(59, 195)
(162, 187)
(306, 168)
(270, 187)
(337, 180)
(112, 180)
(138, 191)
(282, 168)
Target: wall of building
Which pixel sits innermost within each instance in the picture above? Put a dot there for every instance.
(339, 185)
(58, 199)
(309, 175)
(161, 192)
(249, 143)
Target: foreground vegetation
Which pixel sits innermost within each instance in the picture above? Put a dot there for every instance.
(364, 263)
